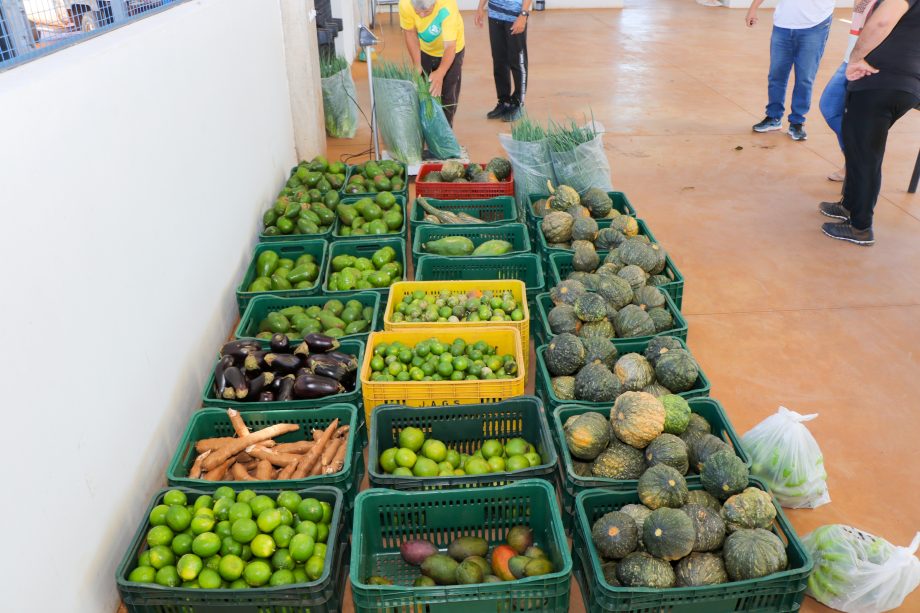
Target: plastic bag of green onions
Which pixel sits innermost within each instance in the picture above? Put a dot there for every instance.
(528, 151)
(396, 102)
(340, 106)
(437, 132)
(578, 155)
(857, 572)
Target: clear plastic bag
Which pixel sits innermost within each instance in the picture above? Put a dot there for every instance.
(398, 118)
(438, 134)
(533, 169)
(787, 458)
(584, 167)
(857, 572)
(340, 105)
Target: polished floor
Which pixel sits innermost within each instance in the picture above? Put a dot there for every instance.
(778, 314)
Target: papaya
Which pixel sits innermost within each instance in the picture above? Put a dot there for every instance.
(450, 245)
(493, 247)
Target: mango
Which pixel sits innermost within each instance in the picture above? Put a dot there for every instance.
(469, 573)
(467, 546)
(441, 568)
(501, 556)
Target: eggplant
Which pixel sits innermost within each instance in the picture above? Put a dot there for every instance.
(280, 343)
(237, 382)
(329, 368)
(302, 349)
(220, 381)
(320, 343)
(285, 362)
(266, 396)
(239, 349)
(316, 386)
(255, 362)
(349, 361)
(286, 388)
(260, 383)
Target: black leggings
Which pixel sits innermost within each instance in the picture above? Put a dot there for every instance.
(509, 61)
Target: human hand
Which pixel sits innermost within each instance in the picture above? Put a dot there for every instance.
(860, 69)
(519, 25)
(436, 79)
(480, 17)
(750, 19)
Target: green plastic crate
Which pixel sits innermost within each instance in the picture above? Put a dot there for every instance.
(288, 249)
(386, 518)
(543, 334)
(514, 233)
(463, 427)
(403, 232)
(492, 211)
(573, 484)
(781, 592)
(351, 169)
(545, 251)
(321, 596)
(260, 306)
(560, 265)
(524, 267)
(544, 387)
(208, 423)
(620, 203)
(363, 249)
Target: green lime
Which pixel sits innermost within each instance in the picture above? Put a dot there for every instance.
(212, 562)
(497, 464)
(202, 523)
(203, 502)
(269, 519)
(453, 456)
(262, 546)
(301, 547)
(461, 363)
(445, 368)
(492, 448)
(225, 491)
(445, 467)
(143, 574)
(261, 503)
(282, 560)
(289, 500)
(517, 462)
(388, 460)
(320, 551)
(175, 497)
(282, 535)
(189, 566)
(159, 535)
(246, 554)
(425, 468)
(287, 518)
(282, 577)
(239, 510)
(322, 533)
(534, 458)
(310, 510)
(245, 496)
(327, 512)
(314, 567)
(405, 458)
(161, 556)
(230, 547)
(206, 544)
(377, 363)
(307, 527)
(231, 567)
(222, 529)
(257, 573)
(158, 515)
(168, 576)
(434, 450)
(209, 579)
(181, 544)
(402, 471)
(244, 530)
(476, 466)
(178, 518)
(516, 446)
(222, 508)
(300, 575)
(143, 559)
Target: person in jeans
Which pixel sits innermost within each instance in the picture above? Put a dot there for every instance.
(834, 98)
(884, 84)
(800, 29)
(433, 31)
(508, 39)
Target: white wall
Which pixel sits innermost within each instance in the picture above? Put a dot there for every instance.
(134, 169)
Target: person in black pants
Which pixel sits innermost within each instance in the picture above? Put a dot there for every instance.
(508, 39)
(884, 84)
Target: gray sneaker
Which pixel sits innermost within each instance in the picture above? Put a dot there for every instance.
(797, 131)
(834, 210)
(844, 231)
(768, 124)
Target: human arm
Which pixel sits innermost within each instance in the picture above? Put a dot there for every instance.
(879, 25)
(481, 12)
(520, 24)
(750, 19)
(437, 77)
(415, 51)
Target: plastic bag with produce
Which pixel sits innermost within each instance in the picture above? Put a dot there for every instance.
(857, 572)
(786, 456)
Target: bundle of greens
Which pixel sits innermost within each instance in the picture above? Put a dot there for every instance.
(398, 110)
(578, 157)
(340, 106)
(437, 131)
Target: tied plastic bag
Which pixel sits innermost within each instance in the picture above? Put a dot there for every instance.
(532, 167)
(787, 458)
(438, 134)
(397, 107)
(857, 572)
(340, 105)
(585, 166)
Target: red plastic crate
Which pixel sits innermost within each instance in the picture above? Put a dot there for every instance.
(460, 191)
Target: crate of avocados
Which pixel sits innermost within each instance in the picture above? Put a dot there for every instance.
(550, 320)
(484, 365)
(462, 241)
(162, 573)
(288, 269)
(523, 267)
(453, 180)
(617, 202)
(490, 211)
(407, 549)
(594, 374)
(372, 177)
(370, 217)
(693, 429)
(306, 204)
(339, 461)
(351, 316)
(482, 444)
(756, 570)
(372, 265)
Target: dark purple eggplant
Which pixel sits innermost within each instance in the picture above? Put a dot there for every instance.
(220, 381)
(320, 343)
(302, 349)
(349, 361)
(237, 382)
(315, 386)
(285, 362)
(280, 343)
(267, 396)
(260, 383)
(329, 368)
(239, 349)
(286, 388)
(255, 362)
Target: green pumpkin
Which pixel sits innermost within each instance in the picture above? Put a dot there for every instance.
(676, 414)
(591, 281)
(633, 275)
(587, 435)
(705, 499)
(634, 372)
(708, 525)
(597, 329)
(562, 319)
(564, 198)
(699, 569)
(662, 486)
(751, 554)
(662, 319)
(579, 276)
(637, 418)
(557, 227)
(638, 253)
(698, 423)
(632, 321)
(566, 245)
(677, 370)
(609, 573)
(564, 355)
(564, 387)
(601, 350)
(724, 474)
(585, 257)
(590, 307)
(584, 229)
(566, 292)
(649, 298)
(639, 569)
(606, 269)
(668, 534)
(615, 290)
(700, 446)
(639, 513)
(752, 508)
(659, 280)
(615, 535)
(657, 390)
(609, 238)
(618, 461)
(660, 345)
(669, 450)
(597, 201)
(661, 263)
(625, 224)
(595, 383)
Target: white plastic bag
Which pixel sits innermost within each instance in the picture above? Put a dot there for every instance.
(585, 166)
(339, 104)
(857, 572)
(533, 169)
(787, 458)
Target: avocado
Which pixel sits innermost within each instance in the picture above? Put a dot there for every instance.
(441, 568)
(467, 546)
(393, 219)
(356, 327)
(376, 227)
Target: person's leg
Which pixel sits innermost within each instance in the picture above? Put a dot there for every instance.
(834, 100)
(517, 60)
(809, 48)
(781, 58)
(450, 91)
(501, 70)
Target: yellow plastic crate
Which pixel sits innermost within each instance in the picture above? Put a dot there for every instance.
(442, 393)
(433, 289)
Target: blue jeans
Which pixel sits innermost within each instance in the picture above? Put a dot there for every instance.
(834, 101)
(801, 49)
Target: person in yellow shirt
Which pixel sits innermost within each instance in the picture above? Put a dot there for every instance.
(434, 38)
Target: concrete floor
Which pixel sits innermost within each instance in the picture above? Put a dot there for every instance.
(778, 313)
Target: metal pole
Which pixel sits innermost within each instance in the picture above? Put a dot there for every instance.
(369, 55)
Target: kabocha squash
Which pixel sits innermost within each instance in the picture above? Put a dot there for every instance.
(562, 319)
(700, 446)
(662, 486)
(659, 280)
(564, 198)
(595, 383)
(579, 212)
(611, 313)
(557, 227)
(585, 257)
(615, 535)
(657, 390)
(619, 461)
(609, 572)
(752, 508)
(676, 414)
(500, 167)
(590, 307)
(587, 435)
(632, 321)
(649, 298)
(705, 499)
(590, 280)
(616, 291)
(677, 370)
(540, 207)
(724, 474)
(661, 318)
(661, 263)
(634, 372)
(750, 554)
(582, 469)
(606, 269)
(625, 224)
(608, 238)
(564, 387)
(708, 525)
(598, 202)
(669, 450)
(698, 423)
(660, 345)
(700, 569)
(451, 171)
(564, 355)
(601, 350)
(668, 534)
(639, 569)
(639, 513)
(584, 229)
(597, 329)
(637, 418)
(638, 253)
(633, 275)
(566, 292)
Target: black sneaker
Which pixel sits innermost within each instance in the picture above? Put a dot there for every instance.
(834, 210)
(499, 111)
(797, 131)
(844, 231)
(768, 125)
(514, 112)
